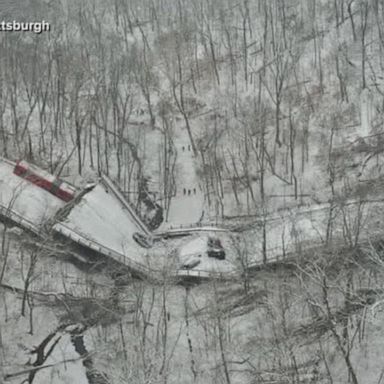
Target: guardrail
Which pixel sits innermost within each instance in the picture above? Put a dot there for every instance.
(140, 268)
(100, 248)
(118, 194)
(9, 162)
(153, 273)
(175, 231)
(193, 225)
(18, 219)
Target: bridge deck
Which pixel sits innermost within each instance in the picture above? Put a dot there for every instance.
(104, 222)
(101, 218)
(25, 200)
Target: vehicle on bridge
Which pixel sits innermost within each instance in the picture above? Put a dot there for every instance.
(215, 249)
(199, 250)
(143, 241)
(44, 180)
(192, 262)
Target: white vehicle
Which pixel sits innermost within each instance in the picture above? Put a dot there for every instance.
(142, 240)
(192, 253)
(192, 262)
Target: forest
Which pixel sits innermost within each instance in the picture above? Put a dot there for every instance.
(261, 117)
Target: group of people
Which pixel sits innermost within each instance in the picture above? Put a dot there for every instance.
(185, 190)
(189, 191)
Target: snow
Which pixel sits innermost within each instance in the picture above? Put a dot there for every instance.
(104, 222)
(101, 218)
(24, 198)
(63, 372)
(198, 245)
(19, 343)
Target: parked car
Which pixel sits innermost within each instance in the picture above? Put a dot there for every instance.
(192, 262)
(142, 240)
(215, 249)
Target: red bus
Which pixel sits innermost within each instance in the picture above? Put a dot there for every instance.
(45, 180)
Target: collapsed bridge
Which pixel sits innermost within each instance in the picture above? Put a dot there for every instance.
(102, 220)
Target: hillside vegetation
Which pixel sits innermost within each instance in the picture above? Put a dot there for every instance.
(243, 112)
(268, 94)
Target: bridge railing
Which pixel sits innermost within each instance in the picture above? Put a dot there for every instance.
(17, 218)
(126, 260)
(199, 224)
(98, 247)
(146, 270)
(86, 241)
(273, 254)
(9, 162)
(118, 194)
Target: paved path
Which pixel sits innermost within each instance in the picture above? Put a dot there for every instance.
(187, 206)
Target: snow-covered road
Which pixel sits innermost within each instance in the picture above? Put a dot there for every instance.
(187, 206)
